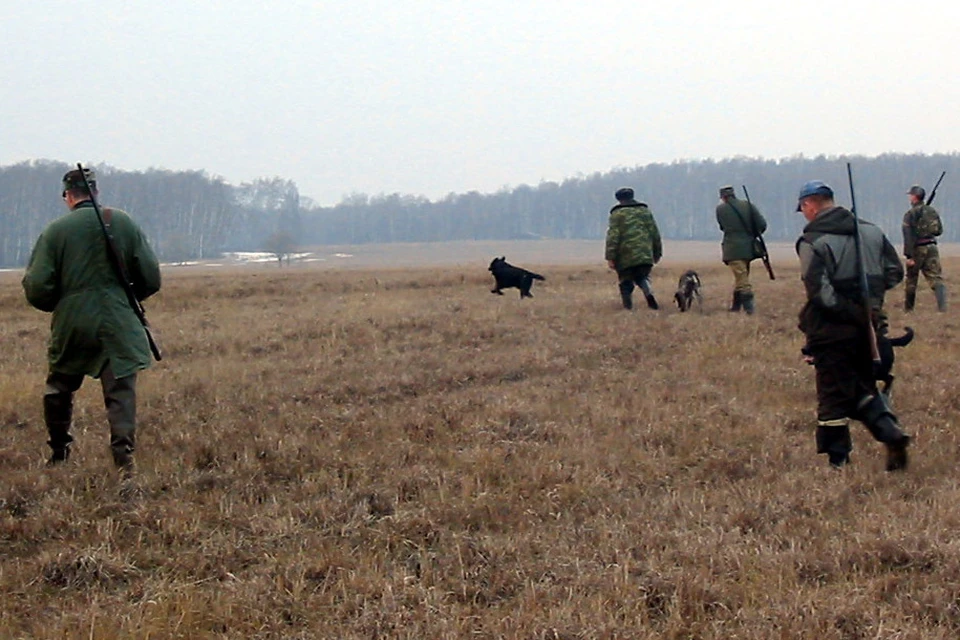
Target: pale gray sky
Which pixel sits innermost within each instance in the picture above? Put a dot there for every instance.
(430, 97)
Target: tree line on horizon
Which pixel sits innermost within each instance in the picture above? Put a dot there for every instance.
(191, 215)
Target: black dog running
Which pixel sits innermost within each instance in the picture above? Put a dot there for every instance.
(507, 276)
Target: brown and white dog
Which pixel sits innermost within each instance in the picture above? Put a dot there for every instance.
(688, 290)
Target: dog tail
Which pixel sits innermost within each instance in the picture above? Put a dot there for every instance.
(903, 340)
(536, 276)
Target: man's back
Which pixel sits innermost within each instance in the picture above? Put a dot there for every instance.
(921, 224)
(70, 274)
(740, 222)
(830, 272)
(632, 236)
(70, 257)
(831, 237)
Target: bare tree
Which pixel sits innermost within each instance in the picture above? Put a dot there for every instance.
(281, 244)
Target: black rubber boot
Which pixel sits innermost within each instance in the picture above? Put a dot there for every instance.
(737, 303)
(875, 412)
(626, 294)
(836, 443)
(747, 300)
(58, 416)
(941, 292)
(644, 286)
(123, 460)
(120, 400)
(897, 454)
(909, 300)
(59, 456)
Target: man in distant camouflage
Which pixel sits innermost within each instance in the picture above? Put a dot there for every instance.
(94, 331)
(837, 326)
(633, 246)
(921, 226)
(741, 222)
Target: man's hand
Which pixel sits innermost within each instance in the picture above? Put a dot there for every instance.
(911, 262)
(612, 264)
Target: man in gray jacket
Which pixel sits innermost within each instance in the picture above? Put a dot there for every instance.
(837, 326)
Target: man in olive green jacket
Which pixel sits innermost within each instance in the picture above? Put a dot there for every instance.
(633, 246)
(94, 331)
(741, 223)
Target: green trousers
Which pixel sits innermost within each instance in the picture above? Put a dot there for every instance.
(119, 398)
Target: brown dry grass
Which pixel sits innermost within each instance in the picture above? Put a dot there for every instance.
(400, 454)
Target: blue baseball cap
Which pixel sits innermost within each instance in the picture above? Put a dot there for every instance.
(814, 188)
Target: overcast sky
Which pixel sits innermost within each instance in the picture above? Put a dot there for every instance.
(430, 97)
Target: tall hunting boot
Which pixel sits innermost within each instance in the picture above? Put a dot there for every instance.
(909, 300)
(834, 440)
(58, 415)
(875, 412)
(746, 298)
(737, 303)
(120, 400)
(626, 294)
(648, 294)
(941, 292)
(897, 454)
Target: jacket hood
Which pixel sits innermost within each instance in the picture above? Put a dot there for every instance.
(837, 221)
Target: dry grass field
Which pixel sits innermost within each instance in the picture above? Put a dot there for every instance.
(401, 454)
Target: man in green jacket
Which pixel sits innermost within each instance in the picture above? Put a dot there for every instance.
(921, 226)
(633, 246)
(741, 223)
(94, 331)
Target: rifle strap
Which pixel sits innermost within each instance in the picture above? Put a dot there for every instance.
(915, 219)
(748, 227)
(115, 259)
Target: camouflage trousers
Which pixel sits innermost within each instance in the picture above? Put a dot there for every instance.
(119, 398)
(741, 275)
(926, 260)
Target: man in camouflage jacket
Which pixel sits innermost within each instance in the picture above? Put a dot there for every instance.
(741, 222)
(633, 246)
(921, 226)
(94, 331)
(837, 326)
